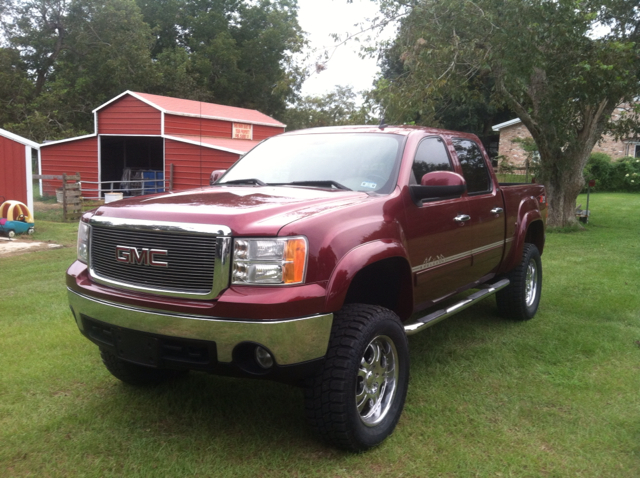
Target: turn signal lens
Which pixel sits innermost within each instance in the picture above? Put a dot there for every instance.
(295, 258)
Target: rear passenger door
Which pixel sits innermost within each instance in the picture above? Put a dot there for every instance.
(486, 208)
(439, 246)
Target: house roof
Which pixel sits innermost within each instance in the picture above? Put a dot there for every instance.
(506, 124)
(183, 107)
(18, 139)
(238, 146)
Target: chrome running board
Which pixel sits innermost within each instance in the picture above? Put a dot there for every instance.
(439, 315)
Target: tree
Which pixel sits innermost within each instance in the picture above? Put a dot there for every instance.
(235, 52)
(15, 87)
(78, 54)
(562, 66)
(475, 113)
(338, 107)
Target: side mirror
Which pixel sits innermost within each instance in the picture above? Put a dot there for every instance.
(217, 174)
(438, 185)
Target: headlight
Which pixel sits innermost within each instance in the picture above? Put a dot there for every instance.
(269, 261)
(83, 242)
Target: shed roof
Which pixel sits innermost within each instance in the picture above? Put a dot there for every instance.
(239, 146)
(183, 107)
(18, 139)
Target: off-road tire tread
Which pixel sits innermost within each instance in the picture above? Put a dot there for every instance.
(510, 300)
(325, 402)
(134, 374)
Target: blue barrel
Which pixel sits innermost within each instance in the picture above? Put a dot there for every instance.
(153, 182)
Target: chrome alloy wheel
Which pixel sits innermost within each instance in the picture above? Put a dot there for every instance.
(377, 380)
(531, 283)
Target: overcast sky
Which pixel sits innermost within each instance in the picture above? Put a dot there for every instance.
(320, 18)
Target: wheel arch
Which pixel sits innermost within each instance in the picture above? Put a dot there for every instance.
(535, 235)
(530, 230)
(376, 273)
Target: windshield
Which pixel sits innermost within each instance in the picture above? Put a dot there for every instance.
(356, 161)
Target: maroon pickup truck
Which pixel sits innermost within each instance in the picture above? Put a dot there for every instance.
(310, 261)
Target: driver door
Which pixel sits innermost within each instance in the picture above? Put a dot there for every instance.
(438, 242)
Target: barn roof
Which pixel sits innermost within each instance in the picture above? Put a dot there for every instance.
(238, 146)
(18, 139)
(183, 107)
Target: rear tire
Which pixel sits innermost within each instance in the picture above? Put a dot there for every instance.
(357, 397)
(520, 299)
(134, 374)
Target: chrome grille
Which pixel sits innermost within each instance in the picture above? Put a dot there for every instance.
(191, 260)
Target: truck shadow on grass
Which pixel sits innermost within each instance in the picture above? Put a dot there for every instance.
(207, 410)
(239, 416)
(475, 336)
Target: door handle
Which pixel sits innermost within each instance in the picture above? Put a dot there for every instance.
(497, 210)
(462, 218)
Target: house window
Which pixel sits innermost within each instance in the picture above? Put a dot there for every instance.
(637, 150)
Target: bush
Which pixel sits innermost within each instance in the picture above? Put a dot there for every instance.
(599, 168)
(504, 166)
(620, 175)
(628, 170)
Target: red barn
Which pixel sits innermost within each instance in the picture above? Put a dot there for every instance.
(16, 155)
(139, 133)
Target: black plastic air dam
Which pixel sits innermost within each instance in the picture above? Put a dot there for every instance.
(160, 351)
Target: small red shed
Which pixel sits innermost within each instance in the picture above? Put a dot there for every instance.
(140, 133)
(16, 180)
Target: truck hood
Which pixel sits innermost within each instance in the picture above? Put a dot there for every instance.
(246, 210)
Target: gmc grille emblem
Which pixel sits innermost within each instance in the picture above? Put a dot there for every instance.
(142, 257)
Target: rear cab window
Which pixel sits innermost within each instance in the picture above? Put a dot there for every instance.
(474, 167)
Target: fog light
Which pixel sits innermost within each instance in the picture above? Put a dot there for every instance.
(264, 358)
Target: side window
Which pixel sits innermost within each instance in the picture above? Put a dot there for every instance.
(474, 167)
(430, 156)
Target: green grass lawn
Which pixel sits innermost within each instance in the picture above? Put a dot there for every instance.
(558, 396)
(514, 178)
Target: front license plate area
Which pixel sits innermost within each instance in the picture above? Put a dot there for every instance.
(137, 347)
(149, 349)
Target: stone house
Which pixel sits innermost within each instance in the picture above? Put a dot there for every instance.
(516, 155)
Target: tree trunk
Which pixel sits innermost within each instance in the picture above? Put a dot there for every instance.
(563, 184)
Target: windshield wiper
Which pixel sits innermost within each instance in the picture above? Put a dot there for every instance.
(321, 183)
(253, 181)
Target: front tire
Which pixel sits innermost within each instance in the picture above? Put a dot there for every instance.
(356, 399)
(520, 299)
(134, 374)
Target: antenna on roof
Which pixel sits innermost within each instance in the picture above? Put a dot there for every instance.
(382, 124)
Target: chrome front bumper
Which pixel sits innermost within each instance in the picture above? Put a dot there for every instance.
(290, 341)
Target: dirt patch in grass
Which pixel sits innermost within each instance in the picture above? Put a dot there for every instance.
(9, 247)
(46, 206)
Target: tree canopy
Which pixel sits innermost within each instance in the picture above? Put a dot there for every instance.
(562, 66)
(60, 59)
(338, 107)
(235, 52)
